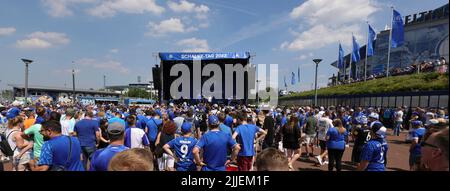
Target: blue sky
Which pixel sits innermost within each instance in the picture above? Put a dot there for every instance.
(118, 38)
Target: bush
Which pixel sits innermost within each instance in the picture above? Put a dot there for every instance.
(414, 82)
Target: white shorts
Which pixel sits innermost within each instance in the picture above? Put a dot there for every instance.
(166, 162)
(309, 139)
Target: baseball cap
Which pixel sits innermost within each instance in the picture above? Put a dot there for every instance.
(12, 113)
(186, 127)
(213, 120)
(373, 115)
(378, 129)
(115, 128)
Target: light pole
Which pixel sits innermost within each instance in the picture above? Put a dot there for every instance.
(317, 61)
(27, 62)
(73, 84)
(257, 91)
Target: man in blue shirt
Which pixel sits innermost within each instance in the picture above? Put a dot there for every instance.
(183, 147)
(228, 119)
(214, 144)
(58, 150)
(222, 126)
(372, 155)
(100, 159)
(246, 137)
(153, 125)
(40, 111)
(117, 118)
(88, 132)
(415, 150)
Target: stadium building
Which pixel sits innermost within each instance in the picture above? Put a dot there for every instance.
(426, 38)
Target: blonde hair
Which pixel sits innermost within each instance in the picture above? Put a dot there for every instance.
(136, 159)
(337, 123)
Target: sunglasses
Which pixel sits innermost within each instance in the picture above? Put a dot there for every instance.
(424, 144)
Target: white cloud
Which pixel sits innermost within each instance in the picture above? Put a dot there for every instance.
(325, 27)
(41, 40)
(172, 25)
(304, 56)
(188, 7)
(103, 64)
(7, 31)
(111, 7)
(60, 8)
(114, 50)
(32, 43)
(334, 13)
(194, 45)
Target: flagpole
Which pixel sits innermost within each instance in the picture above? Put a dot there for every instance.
(389, 45)
(367, 48)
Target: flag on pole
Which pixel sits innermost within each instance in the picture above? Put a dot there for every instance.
(397, 33)
(293, 79)
(285, 84)
(341, 57)
(370, 39)
(355, 54)
(298, 74)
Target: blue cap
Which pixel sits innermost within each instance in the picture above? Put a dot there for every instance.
(213, 120)
(186, 127)
(13, 112)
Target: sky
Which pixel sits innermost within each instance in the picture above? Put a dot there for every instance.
(120, 38)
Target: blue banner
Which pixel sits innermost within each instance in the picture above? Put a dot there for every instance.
(341, 57)
(355, 55)
(370, 39)
(285, 84)
(178, 56)
(298, 74)
(397, 30)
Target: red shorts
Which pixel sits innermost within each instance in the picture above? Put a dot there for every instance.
(244, 163)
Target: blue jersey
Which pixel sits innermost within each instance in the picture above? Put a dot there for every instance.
(246, 137)
(85, 130)
(100, 159)
(215, 144)
(56, 152)
(116, 119)
(418, 134)
(374, 152)
(141, 122)
(183, 149)
(152, 125)
(225, 129)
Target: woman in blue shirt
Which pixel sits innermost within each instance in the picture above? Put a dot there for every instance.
(336, 144)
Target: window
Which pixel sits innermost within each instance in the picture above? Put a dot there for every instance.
(392, 101)
(399, 101)
(434, 101)
(423, 101)
(406, 100)
(414, 101)
(443, 101)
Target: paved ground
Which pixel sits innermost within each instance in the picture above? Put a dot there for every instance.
(397, 155)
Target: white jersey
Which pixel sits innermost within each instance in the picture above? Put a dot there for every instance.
(324, 124)
(135, 138)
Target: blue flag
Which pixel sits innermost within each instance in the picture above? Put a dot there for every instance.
(397, 30)
(293, 79)
(355, 54)
(298, 74)
(341, 57)
(285, 84)
(370, 39)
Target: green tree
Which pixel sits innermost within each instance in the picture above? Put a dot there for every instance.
(136, 92)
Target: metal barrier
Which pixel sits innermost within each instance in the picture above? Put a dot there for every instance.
(429, 99)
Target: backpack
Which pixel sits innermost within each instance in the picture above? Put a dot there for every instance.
(4, 145)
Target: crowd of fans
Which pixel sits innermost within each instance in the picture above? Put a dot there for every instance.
(440, 66)
(213, 137)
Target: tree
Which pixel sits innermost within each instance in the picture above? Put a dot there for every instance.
(136, 92)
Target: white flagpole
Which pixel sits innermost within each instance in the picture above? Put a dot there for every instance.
(367, 48)
(389, 45)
